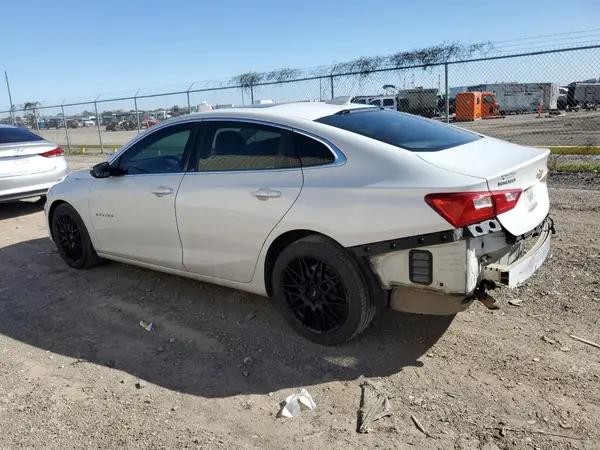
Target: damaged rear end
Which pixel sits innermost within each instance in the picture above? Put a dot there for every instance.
(498, 236)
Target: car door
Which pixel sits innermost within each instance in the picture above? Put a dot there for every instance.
(247, 177)
(133, 211)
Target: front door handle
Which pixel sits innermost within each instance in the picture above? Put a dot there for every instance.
(265, 194)
(161, 191)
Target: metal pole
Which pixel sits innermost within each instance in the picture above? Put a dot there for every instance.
(35, 117)
(62, 109)
(137, 114)
(98, 125)
(188, 98)
(331, 80)
(320, 89)
(447, 93)
(12, 107)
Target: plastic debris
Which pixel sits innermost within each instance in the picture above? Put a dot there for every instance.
(295, 403)
(515, 302)
(148, 326)
(374, 404)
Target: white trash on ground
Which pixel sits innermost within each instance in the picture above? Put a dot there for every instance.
(148, 326)
(295, 403)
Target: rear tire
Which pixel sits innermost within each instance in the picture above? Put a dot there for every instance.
(72, 239)
(321, 291)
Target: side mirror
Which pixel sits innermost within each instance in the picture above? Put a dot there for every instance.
(101, 170)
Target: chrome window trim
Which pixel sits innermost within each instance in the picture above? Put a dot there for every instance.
(339, 157)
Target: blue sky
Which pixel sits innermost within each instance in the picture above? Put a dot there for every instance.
(60, 49)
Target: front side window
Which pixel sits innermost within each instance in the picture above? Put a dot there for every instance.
(237, 145)
(164, 151)
(406, 131)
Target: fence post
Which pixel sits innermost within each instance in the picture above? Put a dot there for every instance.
(35, 117)
(98, 125)
(62, 110)
(251, 95)
(331, 79)
(188, 98)
(137, 114)
(447, 93)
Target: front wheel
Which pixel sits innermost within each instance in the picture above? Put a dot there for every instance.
(72, 239)
(321, 291)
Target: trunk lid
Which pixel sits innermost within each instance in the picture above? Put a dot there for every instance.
(504, 166)
(25, 158)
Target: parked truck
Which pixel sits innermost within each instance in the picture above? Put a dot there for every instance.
(520, 98)
(581, 94)
(418, 101)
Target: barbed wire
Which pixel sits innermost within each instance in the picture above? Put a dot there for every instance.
(360, 68)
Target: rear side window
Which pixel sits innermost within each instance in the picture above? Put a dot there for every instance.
(312, 152)
(238, 145)
(401, 130)
(10, 135)
(388, 102)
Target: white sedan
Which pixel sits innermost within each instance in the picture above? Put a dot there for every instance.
(335, 210)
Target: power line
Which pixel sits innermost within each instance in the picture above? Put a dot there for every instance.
(550, 40)
(548, 35)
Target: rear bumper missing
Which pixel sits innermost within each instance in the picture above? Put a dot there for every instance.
(448, 274)
(516, 273)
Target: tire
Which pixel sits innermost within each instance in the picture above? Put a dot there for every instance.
(313, 308)
(68, 227)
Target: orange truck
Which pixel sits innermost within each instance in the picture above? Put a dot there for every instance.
(472, 106)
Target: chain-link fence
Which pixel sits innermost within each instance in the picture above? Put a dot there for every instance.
(544, 98)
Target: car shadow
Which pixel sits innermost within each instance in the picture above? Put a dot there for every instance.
(202, 334)
(19, 208)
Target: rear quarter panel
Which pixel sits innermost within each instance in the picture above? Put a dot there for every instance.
(378, 194)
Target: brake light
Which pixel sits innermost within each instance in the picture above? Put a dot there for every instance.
(56, 152)
(466, 208)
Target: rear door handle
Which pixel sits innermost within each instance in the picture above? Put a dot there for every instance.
(161, 191)
(265, 194)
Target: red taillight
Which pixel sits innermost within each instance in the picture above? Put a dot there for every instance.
(56, 152)
(466, 208)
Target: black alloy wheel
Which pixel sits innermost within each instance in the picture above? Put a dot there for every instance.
(72, 239)
(322, 291)
(315, 294)
(68, 238)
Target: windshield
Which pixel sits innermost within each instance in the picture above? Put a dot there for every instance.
(401, 130)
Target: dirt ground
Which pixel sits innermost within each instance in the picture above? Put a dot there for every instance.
(78, 371)
(572, 129)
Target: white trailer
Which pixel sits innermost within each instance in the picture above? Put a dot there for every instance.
(518, 98)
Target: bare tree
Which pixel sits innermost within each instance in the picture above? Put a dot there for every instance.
(32, 116)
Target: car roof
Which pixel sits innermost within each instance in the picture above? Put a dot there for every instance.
(298, 110)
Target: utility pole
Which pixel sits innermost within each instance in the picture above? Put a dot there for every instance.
(12, 108)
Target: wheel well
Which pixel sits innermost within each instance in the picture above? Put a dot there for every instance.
(53, 207)
(277, 246)
(275, 250)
